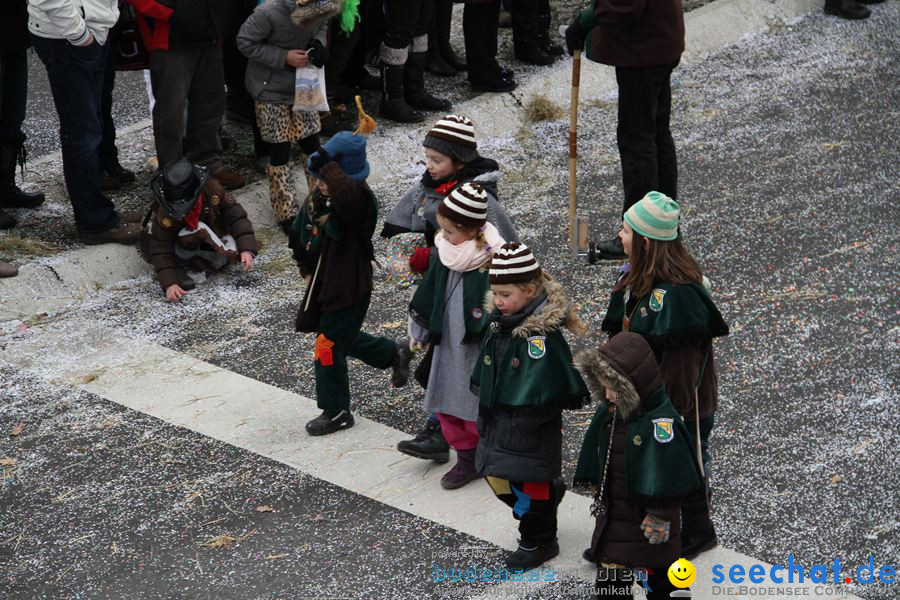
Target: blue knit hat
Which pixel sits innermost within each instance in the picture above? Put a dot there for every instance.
(353, 150)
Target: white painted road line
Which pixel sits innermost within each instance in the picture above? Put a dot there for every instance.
(268, 421)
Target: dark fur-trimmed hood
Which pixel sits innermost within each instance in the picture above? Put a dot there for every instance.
(557, 312)
(627, 365)
(304, 10)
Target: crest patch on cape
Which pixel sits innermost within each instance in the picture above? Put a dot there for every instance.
(537, 346)
(656, 299)
(663, 432)
(477, 313)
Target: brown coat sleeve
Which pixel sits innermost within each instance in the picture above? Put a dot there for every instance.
(162, 250)
(347, 197)
(680, 367)
(234, 218)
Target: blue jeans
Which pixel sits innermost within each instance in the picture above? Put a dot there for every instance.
(76, 81)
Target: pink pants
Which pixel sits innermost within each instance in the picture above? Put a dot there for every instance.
(459, 433)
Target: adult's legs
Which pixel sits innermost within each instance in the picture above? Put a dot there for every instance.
(206, 109)
(480, 36)
(13, 95)
(171, 72)
(109, 154)
(76, 79)
(666, 158)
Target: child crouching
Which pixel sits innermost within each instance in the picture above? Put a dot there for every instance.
(637, 455)
(194, 225)
(525, 378)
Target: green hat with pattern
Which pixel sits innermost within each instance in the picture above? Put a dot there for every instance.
(654, 216)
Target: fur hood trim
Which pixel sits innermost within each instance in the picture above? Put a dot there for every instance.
(598, 374)
(557, 312)
(304, 10)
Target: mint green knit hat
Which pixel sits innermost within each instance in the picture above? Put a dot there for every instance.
(654, 216)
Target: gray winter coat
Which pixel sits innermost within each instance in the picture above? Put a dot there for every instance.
(417, 209)
(268, 34)
(448, 388)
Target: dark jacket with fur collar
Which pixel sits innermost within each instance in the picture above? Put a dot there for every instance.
(651, 466)
(525, 378)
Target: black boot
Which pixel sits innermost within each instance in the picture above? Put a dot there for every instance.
(441, 22)
(697, 542)
(848, 9)
(118, 172)
(435, 64)
(7, 221)
(414, 85)
(543, 32)
(400, 366)
(530, 555)
(526, 41)
(12, 152)
(393, 104)
(185, 281)
(428, 444)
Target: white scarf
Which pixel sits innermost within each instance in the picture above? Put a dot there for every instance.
(467, 256)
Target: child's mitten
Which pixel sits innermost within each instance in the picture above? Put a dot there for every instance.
(656, 530)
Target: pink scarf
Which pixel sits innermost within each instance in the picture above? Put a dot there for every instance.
(467, 256)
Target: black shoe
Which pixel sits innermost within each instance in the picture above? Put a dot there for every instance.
(393, 104)
(329, 422)
(507, 73)
(529, 556)
(589, 556)
(7, 221)
(414, 85)
(534, 55)
(436, 65)
(429, 444)
(400, 366)
(549, 47)
(286, 226)
(497, 86)
(123, 233)
(693, 544)
(108, 184)
(13, 197)
(185, 281)
(119, 173)
(848, 9)
(610, 249)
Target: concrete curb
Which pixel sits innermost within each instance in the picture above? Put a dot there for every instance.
(49, 284)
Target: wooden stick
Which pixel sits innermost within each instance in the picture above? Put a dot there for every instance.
(573, 144)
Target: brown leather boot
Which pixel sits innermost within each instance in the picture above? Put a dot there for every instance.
(123, 233)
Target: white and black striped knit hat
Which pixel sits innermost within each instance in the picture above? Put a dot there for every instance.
(454, 135)
(466, 205)
(514, 263)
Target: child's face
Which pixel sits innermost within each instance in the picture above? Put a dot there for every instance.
(455, 233)
(510, 298)
(612, 396)
(440, 165)
(625, 235)
(323, 187)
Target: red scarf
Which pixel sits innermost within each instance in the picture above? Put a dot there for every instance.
(192, 219)
(446, 188)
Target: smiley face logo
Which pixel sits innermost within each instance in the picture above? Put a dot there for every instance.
(682, 573)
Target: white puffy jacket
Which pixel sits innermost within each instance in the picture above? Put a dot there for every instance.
(72, 19)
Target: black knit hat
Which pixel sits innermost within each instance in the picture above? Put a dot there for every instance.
(514, 263)
(454, 135)
(466, 205)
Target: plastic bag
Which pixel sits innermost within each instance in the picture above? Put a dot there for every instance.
(309, 90)
(400, 249)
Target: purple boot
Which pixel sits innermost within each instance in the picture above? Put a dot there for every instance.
(462, 472)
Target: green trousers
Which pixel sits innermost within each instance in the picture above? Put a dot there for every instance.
(340, 337)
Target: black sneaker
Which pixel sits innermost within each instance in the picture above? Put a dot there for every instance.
(589, 556)
(429, 444)
(400, 367)
(693, 544)
(531, 556)
(329, 422)
(610, 249)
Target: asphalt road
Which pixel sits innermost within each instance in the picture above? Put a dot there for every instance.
(790, 194)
